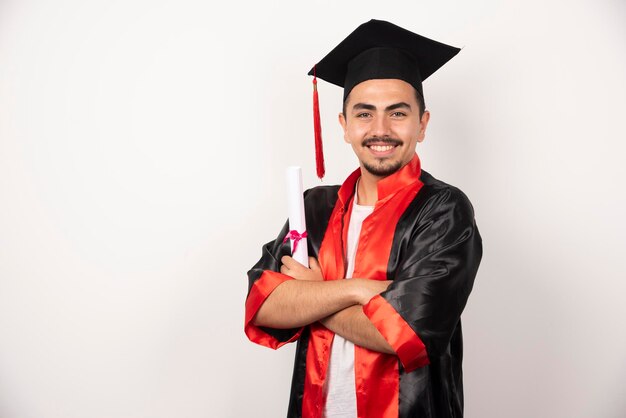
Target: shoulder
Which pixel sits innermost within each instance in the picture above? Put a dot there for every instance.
(440, 214)
(323, 193)
(319, 203)
(437, 198)
(320, 200)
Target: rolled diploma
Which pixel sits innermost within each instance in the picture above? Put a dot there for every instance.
(295, 206)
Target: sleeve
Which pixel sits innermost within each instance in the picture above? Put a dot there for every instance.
(420, 310)
(263, 278)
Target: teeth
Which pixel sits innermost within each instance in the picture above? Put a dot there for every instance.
(381, 148)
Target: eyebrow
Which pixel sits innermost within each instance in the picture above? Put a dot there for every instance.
(366, 106)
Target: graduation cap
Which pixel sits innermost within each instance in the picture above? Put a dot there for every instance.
(376, 50)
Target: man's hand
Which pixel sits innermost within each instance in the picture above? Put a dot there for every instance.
(296, 270)
(367, 288)
(352, 324)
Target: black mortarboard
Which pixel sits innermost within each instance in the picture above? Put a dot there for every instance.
(377, 50)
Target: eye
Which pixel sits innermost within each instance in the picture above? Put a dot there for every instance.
(363, 115)
(398, 114)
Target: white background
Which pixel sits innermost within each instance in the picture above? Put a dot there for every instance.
(142, 154)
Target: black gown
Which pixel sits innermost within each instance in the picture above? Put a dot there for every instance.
(422, 236)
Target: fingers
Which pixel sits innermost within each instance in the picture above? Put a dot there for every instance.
(290, 262)
(291, 267)
(295, 269)
(313, 264)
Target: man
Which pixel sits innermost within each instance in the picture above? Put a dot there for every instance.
(387, 341)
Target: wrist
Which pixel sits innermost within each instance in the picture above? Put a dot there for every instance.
(358, 291)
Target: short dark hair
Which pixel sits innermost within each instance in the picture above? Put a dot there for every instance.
(418, 97)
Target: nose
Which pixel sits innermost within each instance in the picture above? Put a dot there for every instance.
(380, 127)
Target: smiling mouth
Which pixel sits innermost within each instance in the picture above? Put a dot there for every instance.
(381, 147)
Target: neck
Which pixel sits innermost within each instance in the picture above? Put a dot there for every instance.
(367, 189)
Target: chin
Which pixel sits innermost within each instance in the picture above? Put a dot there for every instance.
(384, 169)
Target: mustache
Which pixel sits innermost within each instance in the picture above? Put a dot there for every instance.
(385, 140)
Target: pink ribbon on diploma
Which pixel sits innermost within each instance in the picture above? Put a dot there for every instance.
(296, 237)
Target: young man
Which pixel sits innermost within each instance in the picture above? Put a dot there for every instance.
(395, 252)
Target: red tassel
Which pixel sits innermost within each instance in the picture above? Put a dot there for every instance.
(317, 125)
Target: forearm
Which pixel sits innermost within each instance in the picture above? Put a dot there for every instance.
(296, 303)
(352, 324)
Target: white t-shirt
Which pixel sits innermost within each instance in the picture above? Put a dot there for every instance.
(340, 381)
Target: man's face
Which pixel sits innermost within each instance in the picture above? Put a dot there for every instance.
(382, 123)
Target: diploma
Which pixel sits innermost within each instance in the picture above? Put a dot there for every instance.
(297, 224)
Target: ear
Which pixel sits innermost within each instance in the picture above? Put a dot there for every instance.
(342, 121)
(423, 124)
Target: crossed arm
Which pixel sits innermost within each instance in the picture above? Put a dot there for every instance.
(334, 303)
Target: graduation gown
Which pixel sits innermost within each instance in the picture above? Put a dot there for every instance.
(422, 236)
